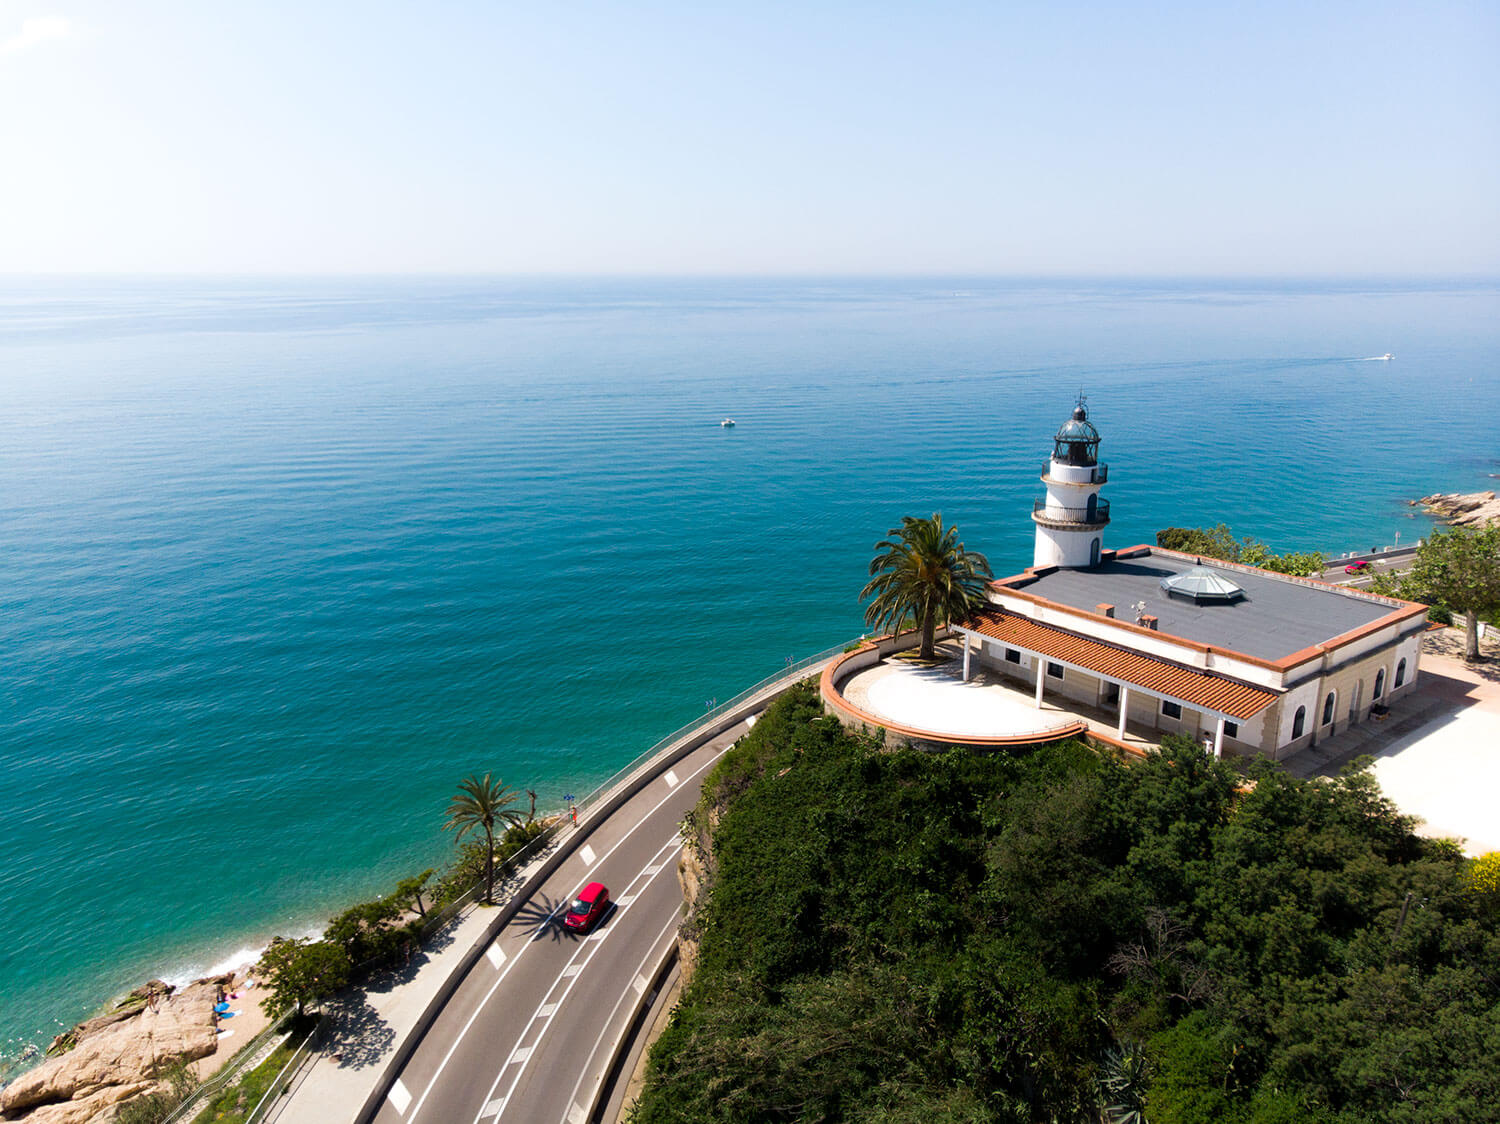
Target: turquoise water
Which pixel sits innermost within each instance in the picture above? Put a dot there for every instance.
(282, 561)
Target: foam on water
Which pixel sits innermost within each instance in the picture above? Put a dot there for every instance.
(283, 561)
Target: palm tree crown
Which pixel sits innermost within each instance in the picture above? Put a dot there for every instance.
(923, 574)
(480, 803)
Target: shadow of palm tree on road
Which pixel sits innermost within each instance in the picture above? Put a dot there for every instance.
(542, 917)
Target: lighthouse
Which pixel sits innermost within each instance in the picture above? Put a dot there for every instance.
(1070, 521)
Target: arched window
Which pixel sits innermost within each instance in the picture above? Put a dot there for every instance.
(1328, 708)
(1379, 684)
(1299, 722)
(1094, 552)
(1400, 673)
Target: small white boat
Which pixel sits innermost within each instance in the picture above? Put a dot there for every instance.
(727, 423)
(1387, 355)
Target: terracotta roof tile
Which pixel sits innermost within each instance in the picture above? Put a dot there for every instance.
(1200, 689)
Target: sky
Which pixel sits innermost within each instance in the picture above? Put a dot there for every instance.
(808, 138)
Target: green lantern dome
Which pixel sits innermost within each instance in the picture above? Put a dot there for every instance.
(1077, 442)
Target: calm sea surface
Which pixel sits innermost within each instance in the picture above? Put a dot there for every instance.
(280, 562)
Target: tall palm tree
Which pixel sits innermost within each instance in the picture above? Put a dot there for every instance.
(481, 802)
(923, 574)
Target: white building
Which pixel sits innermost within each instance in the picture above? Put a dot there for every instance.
(1253, 661)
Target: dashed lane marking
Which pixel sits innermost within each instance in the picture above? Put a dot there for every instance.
(588, 855)
(496, 954)
(577, 1114)
(626, 900)
(492, 1109)
(671, 778)
(521, 1054)
(650, 870)
(572, 970)
(399, 1097)
(640, 984)
(546, 1010)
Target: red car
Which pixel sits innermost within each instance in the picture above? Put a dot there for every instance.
(587, 908)
(1356, 567)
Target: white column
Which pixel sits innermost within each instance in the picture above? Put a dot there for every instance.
(1219, 737)
(1041, 676)
(1124, 710)
(967, 638)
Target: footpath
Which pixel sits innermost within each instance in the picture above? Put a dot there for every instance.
(369, 1025)
(370, 1022)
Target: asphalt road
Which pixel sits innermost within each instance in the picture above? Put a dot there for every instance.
(531, 1031)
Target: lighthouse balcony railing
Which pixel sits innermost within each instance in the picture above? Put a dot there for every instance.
(1098, 514)
(1098, 474)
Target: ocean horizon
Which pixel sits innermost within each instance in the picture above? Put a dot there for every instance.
(286, 558)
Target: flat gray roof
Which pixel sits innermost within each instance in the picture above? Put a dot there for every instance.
(1275, 619)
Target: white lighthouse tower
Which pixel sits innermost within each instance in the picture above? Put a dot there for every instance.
(1070, 522)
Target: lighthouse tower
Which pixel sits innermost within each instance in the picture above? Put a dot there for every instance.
(1070, 522)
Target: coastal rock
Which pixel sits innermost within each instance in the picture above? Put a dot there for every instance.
(118, 1056)
(1474, 509)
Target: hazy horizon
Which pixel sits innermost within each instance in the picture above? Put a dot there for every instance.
(1065, 141)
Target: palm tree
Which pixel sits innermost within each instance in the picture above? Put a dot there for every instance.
(923, 574)
(481, 803)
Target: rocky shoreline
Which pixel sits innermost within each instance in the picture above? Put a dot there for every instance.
(1472, 509)
(91, 1070)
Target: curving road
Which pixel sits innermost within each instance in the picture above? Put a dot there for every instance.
(532, 1030)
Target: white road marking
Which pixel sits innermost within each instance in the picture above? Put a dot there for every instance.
(577, 1114)
(496, 954)
(640, 984)
(655, 869)
(546, 1011)
(626, 900)
(603, 1030)
(500, 979)
(671, 779)
(752, 720)
(588, 854)
(521, 1054)
(398, 1096)
(573, 970)
(491, 1109)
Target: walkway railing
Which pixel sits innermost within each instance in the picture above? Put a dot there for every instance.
(438, 918)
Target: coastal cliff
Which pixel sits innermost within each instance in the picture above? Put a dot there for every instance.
(117, 1056)
(1473, 509)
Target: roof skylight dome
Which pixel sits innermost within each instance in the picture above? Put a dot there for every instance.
(1203, 587)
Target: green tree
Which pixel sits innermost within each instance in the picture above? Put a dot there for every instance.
(1460, 570)
(298, 972)
(481, 803)
(923, 574)
(1219, 542)
(409, 891)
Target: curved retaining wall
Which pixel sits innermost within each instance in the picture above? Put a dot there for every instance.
(617, 799)
(871, 653)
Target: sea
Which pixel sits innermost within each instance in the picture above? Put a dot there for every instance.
(283, 560)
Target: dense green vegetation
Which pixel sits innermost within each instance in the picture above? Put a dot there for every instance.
(235, 1104)
(1056, 935)
(1219, 542)
(1455, 571)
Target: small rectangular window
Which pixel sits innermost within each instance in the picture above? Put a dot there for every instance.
(1055, 670)
(1231, 729)
(1171, 709)
(1012, 656)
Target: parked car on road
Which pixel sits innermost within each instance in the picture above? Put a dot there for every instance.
(587, 908)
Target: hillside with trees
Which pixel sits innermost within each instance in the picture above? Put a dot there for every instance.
(1058, 935)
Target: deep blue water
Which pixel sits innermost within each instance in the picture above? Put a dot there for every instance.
(281, 561)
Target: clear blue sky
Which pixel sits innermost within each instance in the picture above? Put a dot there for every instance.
(785, 138)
